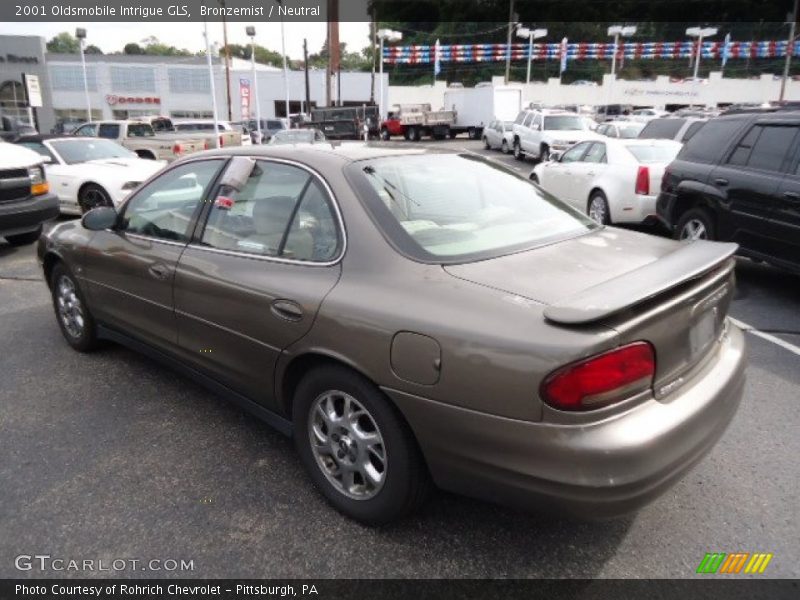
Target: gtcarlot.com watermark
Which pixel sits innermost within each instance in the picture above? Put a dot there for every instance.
(47, 563)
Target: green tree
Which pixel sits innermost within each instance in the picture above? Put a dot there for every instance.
(92, 49)
(132, 48)
(64, 43)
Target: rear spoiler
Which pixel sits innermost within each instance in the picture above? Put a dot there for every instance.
(612, 296)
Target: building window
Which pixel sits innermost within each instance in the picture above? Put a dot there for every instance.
(191, 114)
(123, 114)
(70, 78)
(133, 79)
(188, 81)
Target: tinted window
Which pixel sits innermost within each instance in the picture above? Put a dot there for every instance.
(708, 147)
(520, 118)
(741, 153)
(460, 207)
(665, 129)
(164, 208)
(282, 211)
(528, 120)
(140, 130)
(564, 123)
(108, 130)
(771, 147)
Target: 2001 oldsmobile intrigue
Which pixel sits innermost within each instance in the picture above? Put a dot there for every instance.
(411, 317)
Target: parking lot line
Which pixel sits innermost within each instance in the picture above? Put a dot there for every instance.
(766, 336)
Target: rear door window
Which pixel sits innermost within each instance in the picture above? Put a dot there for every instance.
(108, 130)
(709, 147)
(771, 147)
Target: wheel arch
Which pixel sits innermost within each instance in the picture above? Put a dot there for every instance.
(692, 194)
(50, 260)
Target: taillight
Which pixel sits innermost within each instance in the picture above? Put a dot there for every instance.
(601, 380)
(205, 145)
(665, 180)
(221, 142)
(643, 181)
(177, 149)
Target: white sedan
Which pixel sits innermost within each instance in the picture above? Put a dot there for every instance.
(87, 172)
(499, 135)
(611, 180)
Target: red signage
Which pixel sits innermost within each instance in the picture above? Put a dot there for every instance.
(113, 99)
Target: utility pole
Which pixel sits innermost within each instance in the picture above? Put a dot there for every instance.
(511, 20)
(789, 52)
(305, 66)
(227, 60)
(373, 42)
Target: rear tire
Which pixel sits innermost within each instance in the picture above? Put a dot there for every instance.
(378, 443)
(534, 177)
(74, 319)
(23, 239)
(695, 224)
(414, 134)
(597, 208)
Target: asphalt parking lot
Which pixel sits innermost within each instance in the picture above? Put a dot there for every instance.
(112, 456)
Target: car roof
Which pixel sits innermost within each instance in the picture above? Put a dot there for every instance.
(45, 137)
(322, 151)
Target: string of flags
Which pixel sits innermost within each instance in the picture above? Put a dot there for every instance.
(461, 53)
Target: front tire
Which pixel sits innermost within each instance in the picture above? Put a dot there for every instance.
(504, 147)
(356, 447)
(385, 136)
(544, 154)
(695, 224)
(518, 153)
(486, 143)
(23, 239)
(93, 196)
(72, 312)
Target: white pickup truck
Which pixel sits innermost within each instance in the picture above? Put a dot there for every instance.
(538, 133)
(139, 137)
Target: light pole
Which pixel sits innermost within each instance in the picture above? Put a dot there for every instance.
(80, 33)
(251, 31)
(531, 34)
(211, 83)
(699, 33)
(617, 31)
(789, 51)
(285, 68)
(385, 35)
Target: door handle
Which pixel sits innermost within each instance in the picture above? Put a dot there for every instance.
(793, 196)
(590, 173)
(159, 271)
(721, 182)
(287, 310)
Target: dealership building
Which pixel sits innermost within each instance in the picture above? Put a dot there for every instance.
(129, 86)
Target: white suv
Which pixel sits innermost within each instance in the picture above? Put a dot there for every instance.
(537, 133)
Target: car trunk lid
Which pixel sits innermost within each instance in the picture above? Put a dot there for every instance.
(675, 296)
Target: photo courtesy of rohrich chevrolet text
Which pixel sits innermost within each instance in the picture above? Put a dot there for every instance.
(354, 299)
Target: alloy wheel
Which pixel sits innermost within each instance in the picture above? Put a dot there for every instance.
(70, 310)
(597, 210)
(347, 445)
(694, 229)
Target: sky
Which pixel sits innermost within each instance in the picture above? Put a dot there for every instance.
(111, 37)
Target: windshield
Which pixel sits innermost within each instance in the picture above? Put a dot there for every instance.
(654, 154)
(629, 132)
(78, 151)
(564, 123)
(455, 208)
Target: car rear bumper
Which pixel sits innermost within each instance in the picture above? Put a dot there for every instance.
(591, 470)
(27, 215)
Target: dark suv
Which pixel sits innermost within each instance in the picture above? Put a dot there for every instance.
(739, 180)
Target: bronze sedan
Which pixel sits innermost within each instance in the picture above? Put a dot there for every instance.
(413, 317)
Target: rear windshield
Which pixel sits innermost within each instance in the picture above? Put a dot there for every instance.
(665, 129)
(140, 130)
(654, 154)
(564, 123)
(629, 132)
(457, 208)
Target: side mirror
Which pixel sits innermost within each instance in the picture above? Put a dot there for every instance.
(100, 218)
(46, 158)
